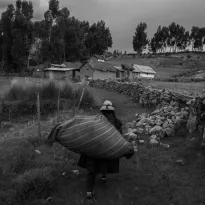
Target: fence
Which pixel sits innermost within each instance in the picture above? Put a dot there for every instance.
(53, 120)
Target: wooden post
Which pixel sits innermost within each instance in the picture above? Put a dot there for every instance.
(203, 139)
(9, 115)
(38, 117)
(1, 110)
(58, 109)
(74, 101)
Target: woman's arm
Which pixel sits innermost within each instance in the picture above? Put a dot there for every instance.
(118, 125)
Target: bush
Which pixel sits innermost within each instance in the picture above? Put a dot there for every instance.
(66, 92)
(87, 100)
(33, 183)
(27, 91)
(24, 108)
(33, 62)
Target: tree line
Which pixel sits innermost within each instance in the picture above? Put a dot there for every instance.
(61, 37)
(170, 38)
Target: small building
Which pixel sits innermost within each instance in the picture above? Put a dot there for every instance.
(97, 70)
(64, 70)
(56, 73)
(141, 71)
(121, 73)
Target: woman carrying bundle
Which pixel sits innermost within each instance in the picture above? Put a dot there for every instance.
(102, 166)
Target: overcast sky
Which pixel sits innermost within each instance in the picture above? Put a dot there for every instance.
(122, 16)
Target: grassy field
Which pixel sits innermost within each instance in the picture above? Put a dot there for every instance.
(30, 177)
(162, 72)
(192, 89)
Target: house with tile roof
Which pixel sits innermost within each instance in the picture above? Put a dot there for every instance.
(142, 71)
(97, 70)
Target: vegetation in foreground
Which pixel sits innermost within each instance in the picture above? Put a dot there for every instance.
(21, 98)
(34, 174)
(30, 177)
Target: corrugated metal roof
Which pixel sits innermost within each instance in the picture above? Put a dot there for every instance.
(58, 65)
(60, 69)
(142, 69)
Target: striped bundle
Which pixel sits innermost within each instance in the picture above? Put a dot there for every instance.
(92, 135)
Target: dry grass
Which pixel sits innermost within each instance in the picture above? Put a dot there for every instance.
(191, 89)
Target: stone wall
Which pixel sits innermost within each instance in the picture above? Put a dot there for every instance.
(173, 110)
(146, 96)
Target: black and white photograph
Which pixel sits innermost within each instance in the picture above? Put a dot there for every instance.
(102, 102)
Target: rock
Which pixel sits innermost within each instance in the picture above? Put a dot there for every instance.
(147, 129)
(169, 121)
(155, 112)
(165, 124)
(76, 172)
(169, 108)
(49, 198)
(38, 152)
(154, 101)
(189, 102)
(152, 122)
(155, 129)
(173, 118)
(164, 145)
(138, 130)
(178, 121)
(180, 161)
(141, 122)
(154, 139)
(179, 114)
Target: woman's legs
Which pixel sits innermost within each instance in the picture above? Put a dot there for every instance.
(104, 171)
(90, 183)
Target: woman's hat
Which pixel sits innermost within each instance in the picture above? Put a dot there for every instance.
(107, 105)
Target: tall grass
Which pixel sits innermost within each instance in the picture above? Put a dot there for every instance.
(26, 91)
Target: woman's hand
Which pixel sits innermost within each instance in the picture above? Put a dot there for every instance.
(135, 149)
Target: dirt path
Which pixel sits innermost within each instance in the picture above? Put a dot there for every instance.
(156, 179)
(125, 108)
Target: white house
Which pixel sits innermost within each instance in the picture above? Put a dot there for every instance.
(141, 71)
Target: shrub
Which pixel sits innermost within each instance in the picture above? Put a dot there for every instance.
(66, 92)
(49, 91)
(33, 183)
(27, 91)
(87, 100)
(33, 62)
